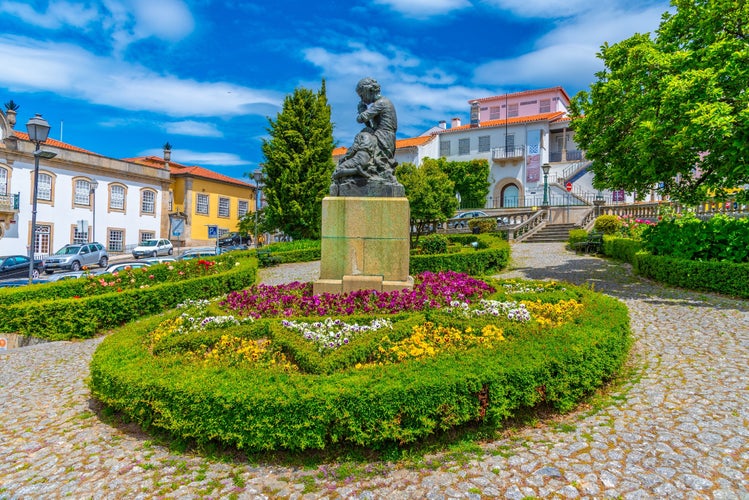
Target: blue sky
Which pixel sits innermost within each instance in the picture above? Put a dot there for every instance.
(122, 77)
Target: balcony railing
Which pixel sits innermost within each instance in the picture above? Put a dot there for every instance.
(505, 153)
(570, 155)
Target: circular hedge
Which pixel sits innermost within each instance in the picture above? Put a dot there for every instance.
(303, 395)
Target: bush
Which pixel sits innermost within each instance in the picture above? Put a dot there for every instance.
(718, 238)
(712, 276)
(492, 254)
(334, 399)
(434, 243)
(623, 249)
(607, 224)
(482, 225)
(577, 236)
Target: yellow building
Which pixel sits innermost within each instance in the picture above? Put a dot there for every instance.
(200, 199)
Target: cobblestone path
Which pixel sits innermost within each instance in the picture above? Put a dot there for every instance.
(678, 428)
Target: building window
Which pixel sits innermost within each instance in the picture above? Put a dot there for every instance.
(42, 243)
(146, 235)
(223, 207)
(484, 144)
(464, 146)
(444, 148)
(117, 198)
(115, 240)
(3, 181)
(201, 204)
(82, 196)
(148, 202)
(495, 112)
(510, 142)
(80, 237)
(512, 110)
(242, 208)
(544, 106)
(44, 191)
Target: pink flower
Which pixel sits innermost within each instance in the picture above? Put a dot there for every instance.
(150, 276)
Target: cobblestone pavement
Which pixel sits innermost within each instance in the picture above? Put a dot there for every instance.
(679, 428)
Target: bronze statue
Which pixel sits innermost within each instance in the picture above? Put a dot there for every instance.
(368, 167)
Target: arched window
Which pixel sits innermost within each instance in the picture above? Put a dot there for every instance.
(510, 196)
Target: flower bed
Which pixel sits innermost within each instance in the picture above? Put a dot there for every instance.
(478, 351)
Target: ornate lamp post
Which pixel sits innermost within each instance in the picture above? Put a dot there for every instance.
(546, 167)
(38, 130)
(258, 176)
(92, 191)
(598, 202)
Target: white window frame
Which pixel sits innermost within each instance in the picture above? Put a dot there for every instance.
(44, 188)
(115, 201)
(82, 193)
(224, 207)
(243, 206)
(148, 206)
(202, 202)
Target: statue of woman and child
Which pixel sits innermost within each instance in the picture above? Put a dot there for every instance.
(368, 167)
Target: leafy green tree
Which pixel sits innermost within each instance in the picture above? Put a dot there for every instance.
(672, 110)
(471, 180)
(430, 194)
(298, 164)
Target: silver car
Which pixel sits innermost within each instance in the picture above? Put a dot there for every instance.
(74, 257)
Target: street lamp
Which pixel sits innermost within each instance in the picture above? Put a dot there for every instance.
(258, 176)
(546, 167)
(92, 191)
(598, 202)
(38, 130)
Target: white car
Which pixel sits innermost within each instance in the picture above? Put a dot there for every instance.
(153, 248)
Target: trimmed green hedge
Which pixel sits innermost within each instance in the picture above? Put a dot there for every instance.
(492, 254)
(48, 312)
(710, 276)
(375, 406)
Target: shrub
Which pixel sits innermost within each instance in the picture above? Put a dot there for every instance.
(623, 249)
(577, 236)
(482, 225)
(433, 244)
(607, 224)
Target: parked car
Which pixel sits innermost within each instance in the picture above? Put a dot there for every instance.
(123, 266)
(461, 220)
(21, 282)
(160, 260)
(153, 248)
(17, 266)
(235, 241)
(76, 256)
(199, 253)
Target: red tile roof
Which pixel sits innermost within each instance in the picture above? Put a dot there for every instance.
(179, 169)
(512, 121)
(54, 143)
(522, 94)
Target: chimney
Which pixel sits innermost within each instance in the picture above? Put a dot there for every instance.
(443, 124)
(455, 123)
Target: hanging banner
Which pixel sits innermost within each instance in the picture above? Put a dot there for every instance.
(533, 167)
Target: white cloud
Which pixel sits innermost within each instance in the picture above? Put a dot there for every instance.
(422, 9)
(203, 159)
(193, 128)
(567, 54)
(73, 72)
(58, 14)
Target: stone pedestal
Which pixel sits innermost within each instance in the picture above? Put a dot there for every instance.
(365, 245)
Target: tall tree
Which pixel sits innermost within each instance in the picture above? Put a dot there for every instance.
(298, 164)
(471, 179)
(430, 193)
(672, 110)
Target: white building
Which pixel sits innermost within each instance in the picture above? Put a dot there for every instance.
(125, 207)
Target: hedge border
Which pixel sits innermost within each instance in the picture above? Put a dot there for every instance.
(373, 407)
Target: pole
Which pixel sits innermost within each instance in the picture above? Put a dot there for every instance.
(33, 213)
(257, 196)
(93, 217)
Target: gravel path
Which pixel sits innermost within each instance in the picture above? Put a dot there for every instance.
(679, 428)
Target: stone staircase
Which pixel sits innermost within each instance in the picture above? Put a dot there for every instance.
(552, 232)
